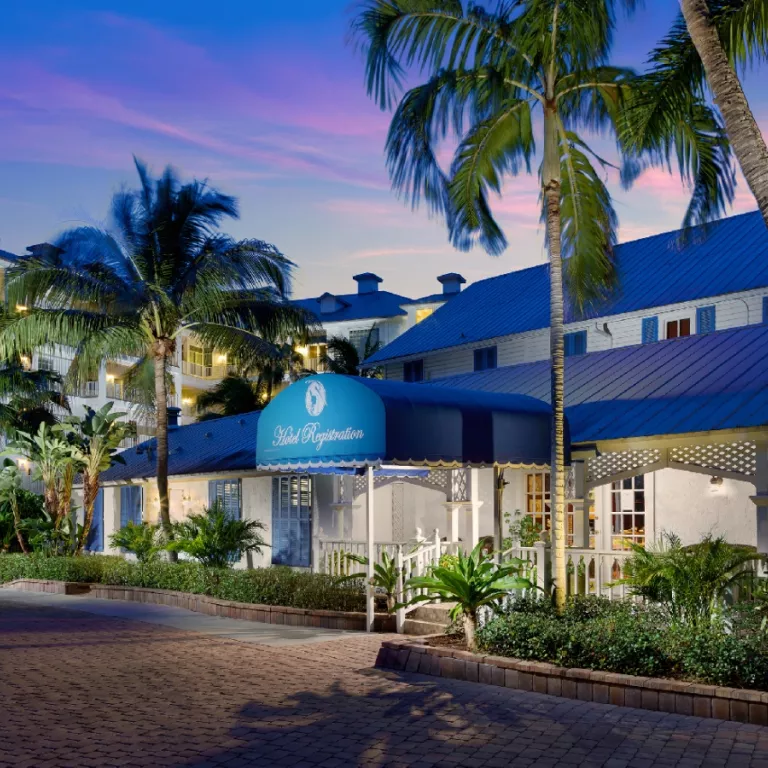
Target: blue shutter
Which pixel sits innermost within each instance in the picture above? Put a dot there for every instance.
(292, 520)
(95, 541)
(650, 330)
(705, 319)
(765, 309)
(478, 359)
(130, 505)
(227, 493)
(491, 358)
(575, 343)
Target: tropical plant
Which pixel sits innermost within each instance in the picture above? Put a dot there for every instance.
(476, 580)
(53, 537)
(216, 539)
(488, 72)
(142, 540)
(10, 490)
(29, 398)
(232, 396)
(160, 270)
(385, 575)
(101, 434)
(53, 461)
(706, 45)
(342, 356)
(694, 583)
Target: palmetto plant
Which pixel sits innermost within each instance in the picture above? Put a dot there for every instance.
(692, 583)
(142, 540)
(385, 575)
(342, 356)
(473, 581)
(160, 269)
(101, 433)
(215, 539)
(487, 73)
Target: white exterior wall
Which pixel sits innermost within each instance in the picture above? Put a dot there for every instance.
(732, 311)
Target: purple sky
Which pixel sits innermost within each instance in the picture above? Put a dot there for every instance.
(269, 105)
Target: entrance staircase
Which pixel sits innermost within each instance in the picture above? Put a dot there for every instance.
(428, 619)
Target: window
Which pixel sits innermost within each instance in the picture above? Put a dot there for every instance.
(628, 513)
(678, 328)
(423, 313)
(95, 541)
(538, 504)
(227, 493)
(364, 339)
(705, 319)
(130, 505)
(413, 371)
(485, 359)
(650, 330)
(292, 520)
(575, 343)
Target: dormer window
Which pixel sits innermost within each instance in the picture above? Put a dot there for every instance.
(413, 371)
(676, 329)
(485, 358)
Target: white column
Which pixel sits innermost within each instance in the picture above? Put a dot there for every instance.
(474, 498)
(580, 504)
(453, 522)
(370, 605)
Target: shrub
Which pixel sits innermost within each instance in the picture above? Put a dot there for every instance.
(215, 539)
(628, 638)
(142, 540)
(267, 586)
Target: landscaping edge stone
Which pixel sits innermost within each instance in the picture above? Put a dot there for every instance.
(656, 694)
(212, 606)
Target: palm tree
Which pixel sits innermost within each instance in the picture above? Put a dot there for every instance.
(705, 45)
(160, 269)
(232, 396)
(487, 73)
(342, 356)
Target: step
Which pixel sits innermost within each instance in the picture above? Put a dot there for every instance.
(416, 627)
(437, 613)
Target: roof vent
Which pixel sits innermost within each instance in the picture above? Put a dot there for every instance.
(451, 282)
(367, 282)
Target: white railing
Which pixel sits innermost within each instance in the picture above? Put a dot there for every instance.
(415, 563)
(205, 371)
(332, 556)
(589, 571)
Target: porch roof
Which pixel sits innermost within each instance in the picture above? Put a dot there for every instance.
(342, 421)
(702, 383)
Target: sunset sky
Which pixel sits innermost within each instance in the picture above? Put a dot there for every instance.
(267, 101)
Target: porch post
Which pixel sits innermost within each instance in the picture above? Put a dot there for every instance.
(474, 497)
(370, 604)
(498, 513)
(576, 496)
(761, 496)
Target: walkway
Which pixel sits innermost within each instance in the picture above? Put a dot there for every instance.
(79, 688)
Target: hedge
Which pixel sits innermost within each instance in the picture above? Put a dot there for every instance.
(631, 639)
(265, 586)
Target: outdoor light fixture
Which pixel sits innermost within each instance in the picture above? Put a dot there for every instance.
(221, 359)
(716, 481)
(110, 377)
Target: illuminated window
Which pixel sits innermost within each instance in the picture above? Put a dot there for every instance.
(628, 513)
(423, 314)
(538, 505)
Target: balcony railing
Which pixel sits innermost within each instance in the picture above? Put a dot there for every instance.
(60, 366)
(205, 371)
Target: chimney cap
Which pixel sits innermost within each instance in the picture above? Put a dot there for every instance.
(451, 277)
(368, 276)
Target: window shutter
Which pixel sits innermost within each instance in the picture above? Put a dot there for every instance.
(575, 343)
(581, 343)
(95, 541)
(705, 319)
(765, 309)
(650, 330)
(492, 357)
(227, 493)
(478, 359)
(130, 505)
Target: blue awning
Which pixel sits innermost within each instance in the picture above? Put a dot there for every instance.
(342, 421)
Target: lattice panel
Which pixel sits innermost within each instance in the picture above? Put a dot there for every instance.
(459, 485)
(610, 464)
(739, 458)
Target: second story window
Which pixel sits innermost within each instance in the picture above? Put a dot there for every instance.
(575, 343)
(678, 328)
(485, 358)
(413, 371)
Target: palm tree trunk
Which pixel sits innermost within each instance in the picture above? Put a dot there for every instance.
(551, 192)
(90, 491)
(470, 629)
(743, 131)
(161, 435)
(65, 494)
(17, 525)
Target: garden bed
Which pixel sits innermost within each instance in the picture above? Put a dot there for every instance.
(656, 694)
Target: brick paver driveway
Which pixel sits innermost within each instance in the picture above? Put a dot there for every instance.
(85, 690)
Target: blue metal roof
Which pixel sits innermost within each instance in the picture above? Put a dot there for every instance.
(358, 306)
(732, 255)
(227, 444)
(695, 384)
